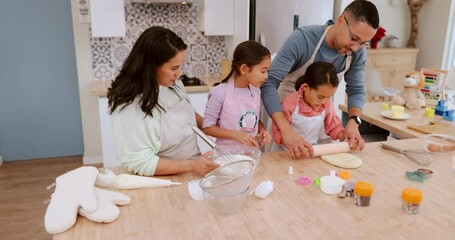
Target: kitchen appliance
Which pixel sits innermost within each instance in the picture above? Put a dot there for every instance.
(273, 21)
(191, 81)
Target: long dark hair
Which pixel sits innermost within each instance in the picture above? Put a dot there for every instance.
(317, 74)
(152, 49)
(249, 53)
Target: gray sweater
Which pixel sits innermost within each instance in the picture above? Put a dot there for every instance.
(297, 50)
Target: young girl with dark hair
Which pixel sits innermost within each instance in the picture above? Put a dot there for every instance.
(310, 110)
(233, 107)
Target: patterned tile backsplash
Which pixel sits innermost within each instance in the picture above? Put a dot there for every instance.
(204, 53)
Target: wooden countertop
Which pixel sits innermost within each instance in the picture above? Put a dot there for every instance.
(293, 211)
(99, 88)
(372, 114)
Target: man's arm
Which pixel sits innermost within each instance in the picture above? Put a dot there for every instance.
(355, 89)
(294, 52)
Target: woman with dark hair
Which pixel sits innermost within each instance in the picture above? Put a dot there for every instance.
(150, 111)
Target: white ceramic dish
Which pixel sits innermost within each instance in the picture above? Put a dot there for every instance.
(389, 115)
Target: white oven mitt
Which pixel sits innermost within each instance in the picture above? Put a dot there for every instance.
(73, 189)
(107, 210)
(128, 181)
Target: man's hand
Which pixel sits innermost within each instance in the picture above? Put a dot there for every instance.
(353, 137)
(296, 145)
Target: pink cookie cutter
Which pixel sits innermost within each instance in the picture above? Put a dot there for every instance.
(304, 181)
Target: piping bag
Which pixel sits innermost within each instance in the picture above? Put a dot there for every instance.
(330, 148)
(128, 181)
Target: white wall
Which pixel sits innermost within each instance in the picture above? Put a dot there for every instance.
(89, 104)
(433, 28)
(395, 19)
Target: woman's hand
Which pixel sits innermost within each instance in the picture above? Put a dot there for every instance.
(203, 164)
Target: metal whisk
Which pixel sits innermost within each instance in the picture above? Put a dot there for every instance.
(419, 156)
(226, 157)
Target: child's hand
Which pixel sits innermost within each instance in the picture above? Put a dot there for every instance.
(245, 138)
(263, 138)
(341, 135)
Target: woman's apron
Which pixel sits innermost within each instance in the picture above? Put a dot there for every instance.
(178, 141)
(239, 112)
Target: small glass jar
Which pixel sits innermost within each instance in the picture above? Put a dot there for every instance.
(362, 193)
(412, 198)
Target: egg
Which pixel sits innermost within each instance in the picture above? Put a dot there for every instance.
(448, 148)
(434, 148)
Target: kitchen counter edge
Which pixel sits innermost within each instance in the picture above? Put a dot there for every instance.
(100, 87)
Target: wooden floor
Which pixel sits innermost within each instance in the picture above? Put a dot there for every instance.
(23, 193)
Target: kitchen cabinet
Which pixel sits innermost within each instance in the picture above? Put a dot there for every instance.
(216, 17)
(392, 64)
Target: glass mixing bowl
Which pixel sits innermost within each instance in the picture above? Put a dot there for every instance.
(238, 151)
(226, 186)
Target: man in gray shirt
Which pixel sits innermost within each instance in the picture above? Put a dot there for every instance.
(341, 43)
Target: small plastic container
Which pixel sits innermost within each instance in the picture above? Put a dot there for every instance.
(362, 193)
(412, 198)
(332, 184)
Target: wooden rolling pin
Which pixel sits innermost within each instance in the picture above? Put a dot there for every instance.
(326, 149)
(330, 148)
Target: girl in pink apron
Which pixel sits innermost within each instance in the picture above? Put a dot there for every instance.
(233, 107)
(310, 110)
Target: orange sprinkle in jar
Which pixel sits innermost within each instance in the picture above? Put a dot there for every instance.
(412, 198)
